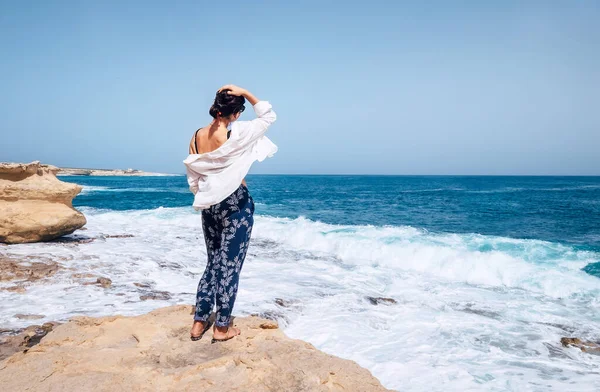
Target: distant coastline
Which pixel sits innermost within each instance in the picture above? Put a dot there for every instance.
(71, 171)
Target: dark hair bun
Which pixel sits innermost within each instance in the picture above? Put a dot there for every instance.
(226, 104)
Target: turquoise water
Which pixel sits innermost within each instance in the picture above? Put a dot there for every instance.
(564, 210)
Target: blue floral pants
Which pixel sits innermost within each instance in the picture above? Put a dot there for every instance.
(227, 227)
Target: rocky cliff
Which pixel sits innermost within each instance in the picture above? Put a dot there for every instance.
(35, 205)
(153, 352)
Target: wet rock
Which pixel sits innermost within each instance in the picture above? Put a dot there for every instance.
(274, 316)
(118, 236)
(473, 308)
(585, 346)
(100, 281)
(21, 316)
(34, 334)
(482, 312)
(270, 315)
(15, 289)
(25, 269)
(153, 351)
(381, 300)
(24, 339)
(35, 205)
(73, 240)
(284, 303)
(170, 265)
(104, 282)
(156, 295)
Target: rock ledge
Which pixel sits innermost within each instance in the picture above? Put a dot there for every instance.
(153, 352)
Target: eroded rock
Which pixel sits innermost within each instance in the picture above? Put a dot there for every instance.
(381, 300)
(104, 282)
(118, 236)
(284, 303)
(156, 295)
(35, 205)
(100, 280)
(134, 353)
(23, 340)
(27, 268)
(585, 346)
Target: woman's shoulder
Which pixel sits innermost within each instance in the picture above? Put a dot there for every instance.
(193, 141)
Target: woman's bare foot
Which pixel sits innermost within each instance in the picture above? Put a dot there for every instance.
(220, 333)
(198, 328)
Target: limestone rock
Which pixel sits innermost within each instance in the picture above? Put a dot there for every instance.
(35, 205)
(153, 352)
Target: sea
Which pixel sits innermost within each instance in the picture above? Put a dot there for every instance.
(483, 275)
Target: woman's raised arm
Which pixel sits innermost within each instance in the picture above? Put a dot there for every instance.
(238, 91)
(249, 131)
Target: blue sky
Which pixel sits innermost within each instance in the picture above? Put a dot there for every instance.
(447, 87)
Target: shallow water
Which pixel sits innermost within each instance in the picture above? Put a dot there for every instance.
(486, 284)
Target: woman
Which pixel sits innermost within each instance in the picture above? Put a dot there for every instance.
(220, 156)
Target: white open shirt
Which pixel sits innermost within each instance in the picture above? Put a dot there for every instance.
(214, 175)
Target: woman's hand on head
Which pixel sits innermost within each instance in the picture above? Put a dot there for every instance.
(235, 90)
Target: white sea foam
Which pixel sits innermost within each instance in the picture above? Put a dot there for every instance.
(473, 312)
(92, 189)
(555, 189)
(89, 189)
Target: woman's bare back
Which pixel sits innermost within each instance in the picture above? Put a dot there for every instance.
(205, 141)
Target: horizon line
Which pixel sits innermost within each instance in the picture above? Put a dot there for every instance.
(367, 174)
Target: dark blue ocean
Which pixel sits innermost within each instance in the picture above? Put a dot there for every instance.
(486, 274)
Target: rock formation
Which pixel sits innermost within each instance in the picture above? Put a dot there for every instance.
(35, 205)
(585, 346)
(153, 352)
(26, 268)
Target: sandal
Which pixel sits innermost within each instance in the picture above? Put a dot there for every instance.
(206, 328)
(225, 339)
